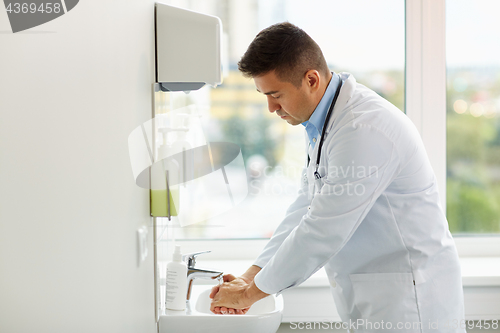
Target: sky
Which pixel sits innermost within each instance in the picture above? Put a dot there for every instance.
(473, 33)
(349, 37)
(368, 34)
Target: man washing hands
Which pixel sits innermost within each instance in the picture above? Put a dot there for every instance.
(236, 294)
(386, 247)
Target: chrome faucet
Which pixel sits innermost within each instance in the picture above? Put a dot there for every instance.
(197, 273)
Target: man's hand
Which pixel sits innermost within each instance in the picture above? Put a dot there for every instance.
(236, 294)
(223, 309)
(246, 278)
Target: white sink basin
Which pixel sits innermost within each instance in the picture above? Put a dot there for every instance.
(263, 317)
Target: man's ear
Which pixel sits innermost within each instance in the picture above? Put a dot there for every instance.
(312, 78)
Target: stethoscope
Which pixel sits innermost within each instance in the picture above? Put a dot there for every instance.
(317, 176)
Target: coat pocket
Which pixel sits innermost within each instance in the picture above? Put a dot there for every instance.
(386, 299)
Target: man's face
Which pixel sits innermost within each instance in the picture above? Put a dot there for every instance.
(295, 105)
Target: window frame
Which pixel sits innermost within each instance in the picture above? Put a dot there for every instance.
(425, 105)
(425, 92)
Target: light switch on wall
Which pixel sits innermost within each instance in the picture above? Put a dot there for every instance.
(142, 243)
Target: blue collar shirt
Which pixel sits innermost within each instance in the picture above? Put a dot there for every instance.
(317, 120)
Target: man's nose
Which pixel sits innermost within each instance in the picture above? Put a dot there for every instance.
(272, 105)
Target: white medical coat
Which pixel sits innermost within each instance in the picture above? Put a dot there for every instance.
(374, 221)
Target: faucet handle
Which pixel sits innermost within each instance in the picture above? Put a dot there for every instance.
(190, 258)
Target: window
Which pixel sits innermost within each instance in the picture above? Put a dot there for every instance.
(473, 116)
(362, 37)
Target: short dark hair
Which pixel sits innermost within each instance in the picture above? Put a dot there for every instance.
(286, 49)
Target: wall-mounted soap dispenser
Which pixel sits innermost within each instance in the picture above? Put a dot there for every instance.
(188, 56)
(169, 154)
(188, 49)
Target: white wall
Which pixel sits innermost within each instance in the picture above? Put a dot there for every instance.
(71, 91)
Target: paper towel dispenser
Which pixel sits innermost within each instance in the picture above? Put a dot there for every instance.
(188, 49)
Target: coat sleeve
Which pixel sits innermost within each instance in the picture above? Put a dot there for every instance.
(292, 218)
(362, 162)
